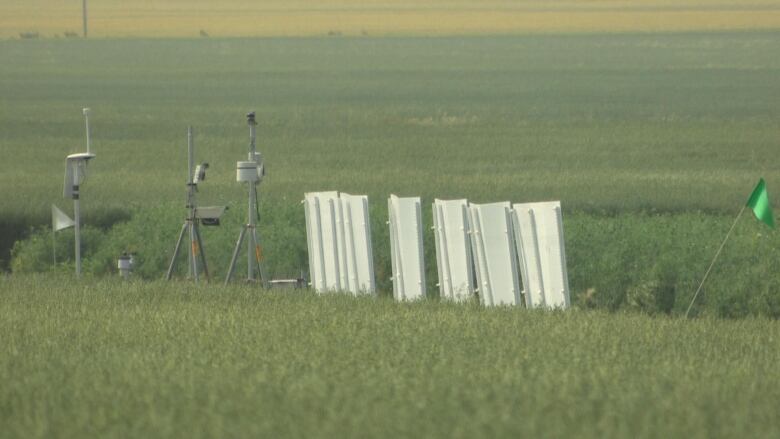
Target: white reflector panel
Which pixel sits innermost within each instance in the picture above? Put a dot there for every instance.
(338, 235)
(453, 249)
(321, 237)
(539, 238)
(406, 248)
(359, 253)
(494, 254)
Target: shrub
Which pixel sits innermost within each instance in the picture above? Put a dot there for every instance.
(651, 263)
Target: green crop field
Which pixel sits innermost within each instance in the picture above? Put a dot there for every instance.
(652, 141)
(174, 360)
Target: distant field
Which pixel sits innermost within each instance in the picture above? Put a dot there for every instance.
(670, 122)
(178, 18)
(107, 359)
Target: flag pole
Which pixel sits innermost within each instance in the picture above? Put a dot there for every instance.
(707, 273)
(53, 232)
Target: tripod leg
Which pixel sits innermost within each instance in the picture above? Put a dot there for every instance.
(202, 253)
(259, 259)
(235, 255)
(250, 259)
(194, 250)
(176, 251)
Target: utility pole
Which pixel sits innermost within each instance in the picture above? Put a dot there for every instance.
(84, 10)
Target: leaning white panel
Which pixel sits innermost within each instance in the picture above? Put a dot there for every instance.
(539, 239)
(453, 249)
(406, 247)
(314, 241)
(321, 227)
(494, 253)
(359, 254)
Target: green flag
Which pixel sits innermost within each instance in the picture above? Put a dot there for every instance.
(759, 202)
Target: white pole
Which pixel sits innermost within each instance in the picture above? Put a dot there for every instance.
(73, 170)
(86, 119)
(191, 265)
(77, 223)
(250, 254)
(190, 159)
(714, 259)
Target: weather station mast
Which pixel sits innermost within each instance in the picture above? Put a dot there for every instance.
(250, 172)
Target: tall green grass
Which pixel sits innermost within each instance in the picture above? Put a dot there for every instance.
(105, 358)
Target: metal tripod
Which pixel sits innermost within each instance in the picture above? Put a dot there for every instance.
(251, 172)
(254, 258)
(191, 223)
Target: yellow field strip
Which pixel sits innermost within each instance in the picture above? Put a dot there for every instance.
(231, 19)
